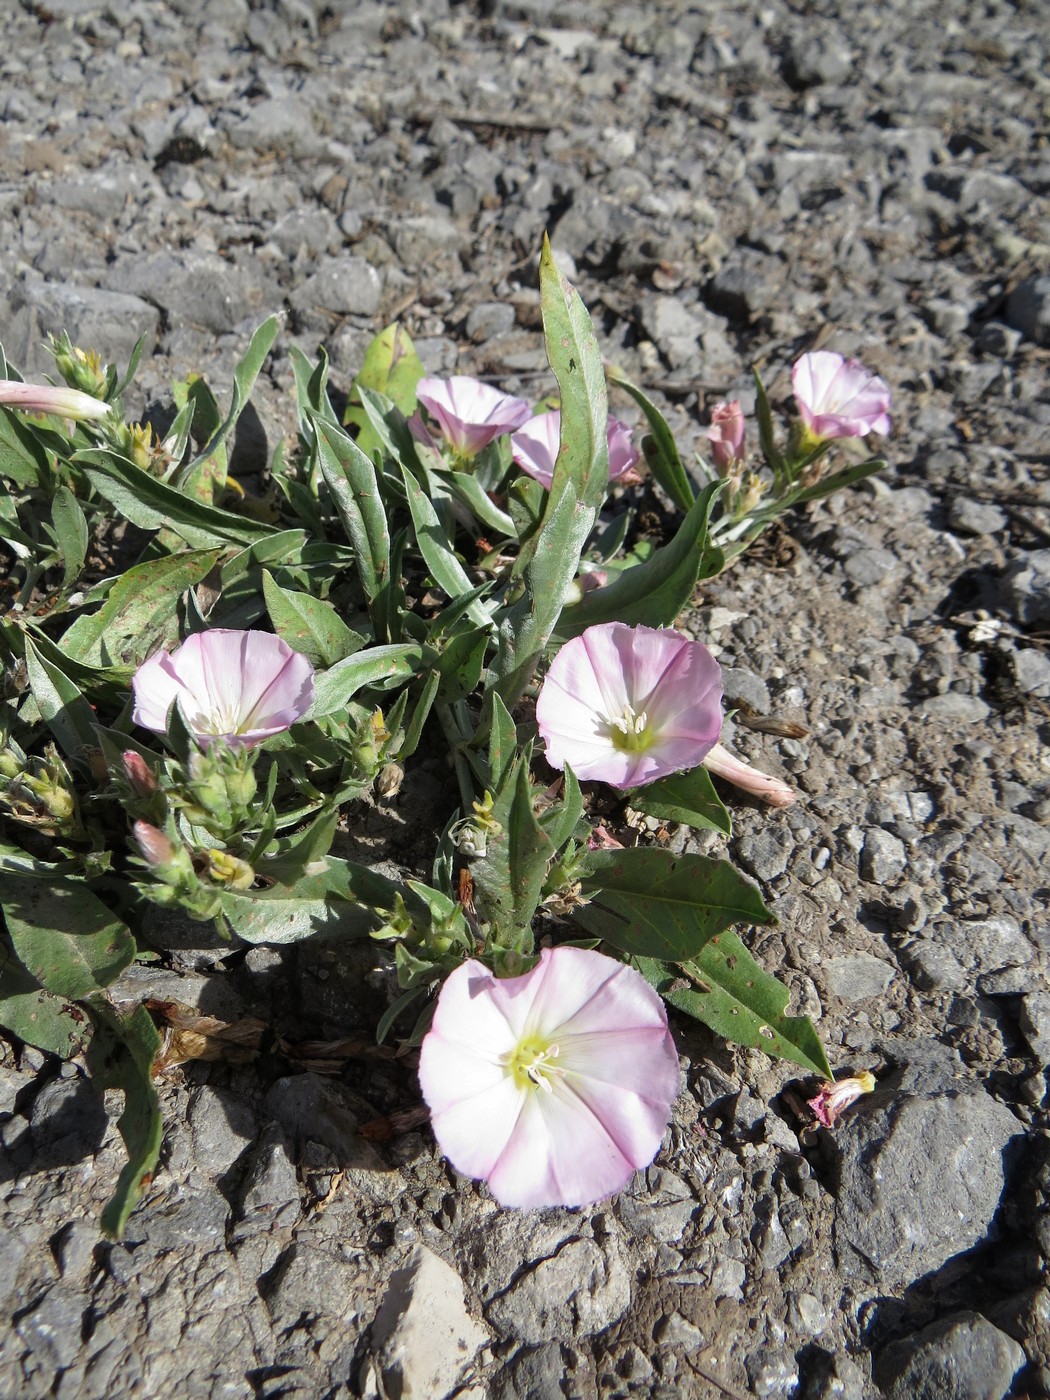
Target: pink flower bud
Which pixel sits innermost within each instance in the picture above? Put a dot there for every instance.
(67, 403)
(139, 774)
(735, 770)
(726, 436)
(157, 850)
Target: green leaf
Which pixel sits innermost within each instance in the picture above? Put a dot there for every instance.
(309, 625)
(559, 821)
(727, 990)
(461, 662)
(549, 559)
(652, 903)
(64, 936)
(662, 453)
(684, 797)
(71, 533)
(508, 880)
(848, 477)
(340, 900)
(420, 713)
(469, 491)
(38, 1017)
(295, 853)
(503, 743)
(354, 487)
(391, 367)
(766, 434)
(153, 505)
(23, 460)
(140, 605)
(62, 707)
(244, 377)
(121, 1057)
(445, 569)
(311, 385)
(654, 593)
(378, 667)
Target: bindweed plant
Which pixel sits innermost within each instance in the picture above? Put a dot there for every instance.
(199, 683)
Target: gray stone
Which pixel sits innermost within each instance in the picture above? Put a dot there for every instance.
(1034, 1020)
(741, 686)
(284, 124)
(859, 977)
(583, 1287)
(423, 1334)
(955, 708)
(969, 517)
(535, 1371)
(958, 1358)
(813, 59)
(990, 944)
(1025, 587)
(919, 1181)
(269, 1180)
(96, 319)
(1028, 308)
(869, 566)
(347, 286)
(1032, 671)
(196, 288)
(221, 1126)
(51, 1329)
(746, 286)
(933, 967)
(773, 1374)
(884, 858)
(314, 1280)
(659, 1205)
(490, 318)
(764, 854)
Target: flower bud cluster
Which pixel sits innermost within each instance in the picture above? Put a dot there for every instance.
(40, 792)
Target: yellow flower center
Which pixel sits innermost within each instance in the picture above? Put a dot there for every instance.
(531, 1063)
(630, 731)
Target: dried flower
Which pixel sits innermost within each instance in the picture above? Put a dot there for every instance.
(66, 403)
(834, 1097)
(726, 765)
(534, 447)
(554, 1087)
(241, 687)
(839, 398)
(627, 705)
(469, 413)
(726, 436)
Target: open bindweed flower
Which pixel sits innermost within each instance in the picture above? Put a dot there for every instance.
(726, 436)
(627, 705)
(553, 1087)
(238, 687)
(839, 398)
(534, 447)
(726, 765)
(469, 413)
(66, 403)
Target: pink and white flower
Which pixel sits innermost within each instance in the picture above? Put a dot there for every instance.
(726, 436)
(839, 398)
(57, 399)
(534, 447)
(469, 413)
(238, 687)
(553, 1087)
(835, 1096)
(627, 705)
(726, 765)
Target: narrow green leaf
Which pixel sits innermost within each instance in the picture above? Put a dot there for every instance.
(685, 797)
(391, 367)
(766, 434)
(461, 662)
(351, 480)
(508, 880)
(153, 505)
(38, 1017)
(849, 476)
(652, 903)
(244, 377)
(550, 557)
(295, 853)
(129, 373)
(64, 935)
(339, 900)
(138, 609)
(23, 460)
(309, 625)
(560, 821)
(445, 569)
(727, 990)
(377, 667)
(311, 385)
(420, 714)
(71, 532)
(468, 490)
(654, 593)
(662, 456)
(121, 1057)
(503, 743)
(62, 707)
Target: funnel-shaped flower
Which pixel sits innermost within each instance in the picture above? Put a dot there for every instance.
(839, 398)
(469, 413)
(67, 403)
(553, 1087)
(627, 705)
(735, 770)
(241, 687)
(534, 447)
(726, 436)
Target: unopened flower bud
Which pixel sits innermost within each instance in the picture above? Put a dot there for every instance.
(389, 780)
(836, 1096)
(140, 775)
(230, 870)
(57, 399)
(726, 436)
(157, 850)
(81, 369)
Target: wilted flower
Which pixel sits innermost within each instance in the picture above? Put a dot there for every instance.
(241, 687)
(726, 436)
(469, 413)
(67, 403)
(839, 398)
(719, 760)
(835, 1096)
(553, 1087)
(534, 447)
(627, 705)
